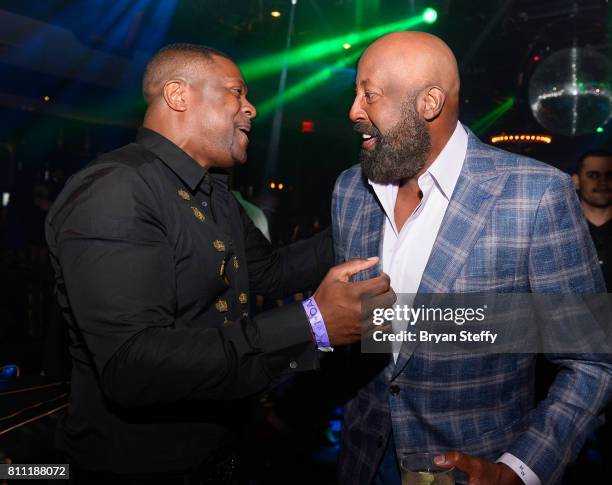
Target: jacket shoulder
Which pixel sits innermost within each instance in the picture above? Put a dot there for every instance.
(350, 173)
(518, 165)
(526, 177)
(350, 180)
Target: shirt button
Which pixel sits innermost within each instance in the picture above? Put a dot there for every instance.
(293, 364)
(204, 204)
(394, 389)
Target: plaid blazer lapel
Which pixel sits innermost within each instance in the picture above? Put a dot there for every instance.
(468, 211)
(370, 240)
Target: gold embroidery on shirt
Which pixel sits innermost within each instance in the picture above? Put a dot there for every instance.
(221, 305)
(198, 213)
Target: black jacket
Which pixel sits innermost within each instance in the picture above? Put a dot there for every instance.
(154, 261)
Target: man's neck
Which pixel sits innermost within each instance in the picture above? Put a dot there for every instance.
(408, 198)
(409, 194)
(597, 216)
(155, 120)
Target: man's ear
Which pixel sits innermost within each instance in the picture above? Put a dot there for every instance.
(174, 94)
(576, 180)
(434, 98)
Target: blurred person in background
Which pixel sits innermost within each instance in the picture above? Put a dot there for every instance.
(593, 181)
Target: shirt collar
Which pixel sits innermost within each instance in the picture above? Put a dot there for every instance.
(185, 167)
(445, 169)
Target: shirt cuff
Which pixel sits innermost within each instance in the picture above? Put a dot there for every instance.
(317, 324)
(523, 471)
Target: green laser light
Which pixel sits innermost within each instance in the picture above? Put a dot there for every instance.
(430, 15)
(599, 129)
(273, 63)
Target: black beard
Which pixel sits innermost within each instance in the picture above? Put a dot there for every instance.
(401, 152)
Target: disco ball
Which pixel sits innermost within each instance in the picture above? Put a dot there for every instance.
(570, 93)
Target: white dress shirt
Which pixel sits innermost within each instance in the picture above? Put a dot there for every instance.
(405, 253)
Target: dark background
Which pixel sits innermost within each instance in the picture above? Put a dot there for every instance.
(88, 56)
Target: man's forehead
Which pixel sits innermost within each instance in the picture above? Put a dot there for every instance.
(370, 74)
(380, 79)
(379, 70)
(224, 63)
(368, 66)
(224, 70)
(602, 161)
(362, 82)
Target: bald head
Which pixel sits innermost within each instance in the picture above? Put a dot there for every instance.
(406, 104)
(418, 60)
(175, 61)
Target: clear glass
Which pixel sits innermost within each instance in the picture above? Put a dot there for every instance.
(419, 469)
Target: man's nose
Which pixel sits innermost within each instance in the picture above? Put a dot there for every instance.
(249, 109)
(356, 113)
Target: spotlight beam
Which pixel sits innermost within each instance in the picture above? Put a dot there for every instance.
(297, 90)
(272, 158)
(484, 123)
(259, 68)
(485, 33)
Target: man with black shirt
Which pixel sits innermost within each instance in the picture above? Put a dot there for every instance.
(154, 263)
(593, 181)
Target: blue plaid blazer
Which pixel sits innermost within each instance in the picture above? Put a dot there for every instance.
(512, 225)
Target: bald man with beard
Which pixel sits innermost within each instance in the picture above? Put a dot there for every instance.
(155, 262)
(449, 214)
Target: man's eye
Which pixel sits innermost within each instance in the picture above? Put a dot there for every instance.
(369, 96)
(237, 91)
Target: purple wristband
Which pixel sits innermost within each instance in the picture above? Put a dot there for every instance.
(318, 325)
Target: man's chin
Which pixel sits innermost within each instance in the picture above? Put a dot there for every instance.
(599, 202)
(376, 175)
(239, 159)
(379, 176)
(381, 179)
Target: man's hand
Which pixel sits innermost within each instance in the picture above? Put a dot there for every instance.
(480, 472)
(340, 301)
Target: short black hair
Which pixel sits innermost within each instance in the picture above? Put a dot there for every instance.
(170, 55)
(599, 152)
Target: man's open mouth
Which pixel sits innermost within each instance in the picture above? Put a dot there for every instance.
(245, 130)
(368, 141)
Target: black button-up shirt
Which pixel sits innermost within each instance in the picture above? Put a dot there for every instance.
(154, 261)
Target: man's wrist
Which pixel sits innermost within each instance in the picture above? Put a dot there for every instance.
(508, 476)
(317, 324)
(520, 469)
